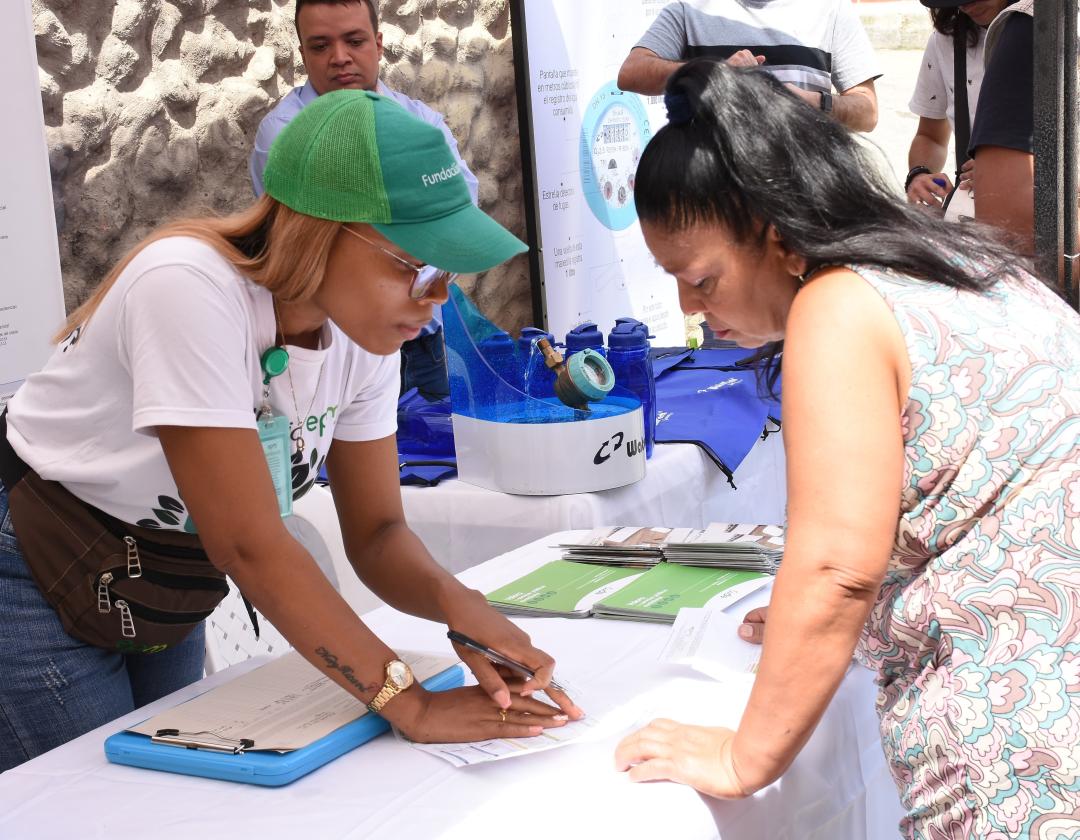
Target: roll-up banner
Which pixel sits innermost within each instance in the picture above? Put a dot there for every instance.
(582, 139)
(31, 291)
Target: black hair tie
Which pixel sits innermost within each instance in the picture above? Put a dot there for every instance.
(679, 109)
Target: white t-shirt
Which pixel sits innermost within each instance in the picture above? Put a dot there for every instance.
(178, 341)
(814, 44)
(935, 94)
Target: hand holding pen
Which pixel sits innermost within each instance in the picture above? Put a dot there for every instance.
(498, 658)
(928, 188)
(536, 676)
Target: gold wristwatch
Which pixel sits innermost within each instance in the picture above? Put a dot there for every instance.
(399, 677)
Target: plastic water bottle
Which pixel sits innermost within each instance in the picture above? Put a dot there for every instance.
(628, 353)
(498, 350)
(537, 380)
(585, 336)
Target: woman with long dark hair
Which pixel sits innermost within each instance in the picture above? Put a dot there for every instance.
(932, 431)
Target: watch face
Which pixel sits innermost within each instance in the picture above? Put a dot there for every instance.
(399, 672)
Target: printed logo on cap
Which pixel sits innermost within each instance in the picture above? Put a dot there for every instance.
(444, 174)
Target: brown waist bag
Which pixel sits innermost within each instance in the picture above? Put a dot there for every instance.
(114, 585)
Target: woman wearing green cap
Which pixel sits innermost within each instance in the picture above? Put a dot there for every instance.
(200, 389)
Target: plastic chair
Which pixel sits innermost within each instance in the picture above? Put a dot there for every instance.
(230, 637)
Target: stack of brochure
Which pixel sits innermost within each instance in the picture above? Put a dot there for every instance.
(661, 592)
(633, 546)
(559, 588)
(756, 548)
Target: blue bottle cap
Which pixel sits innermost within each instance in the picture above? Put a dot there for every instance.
(628, 335)
(530, 335)
(583, 336)
(498, 341)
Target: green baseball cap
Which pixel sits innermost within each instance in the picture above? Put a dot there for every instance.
(357, 156)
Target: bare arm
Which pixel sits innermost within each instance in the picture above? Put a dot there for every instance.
(844, 358)
(653, 73)
(386, 555)
(645, 72)
(855, 107)
(1004, 184)
(845, 368)
(395, 564)
(224, 481)
(930, 148)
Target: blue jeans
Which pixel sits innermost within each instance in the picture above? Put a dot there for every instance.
(55, 688)
(423, 366)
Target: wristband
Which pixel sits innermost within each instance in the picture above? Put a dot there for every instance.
(914, 173)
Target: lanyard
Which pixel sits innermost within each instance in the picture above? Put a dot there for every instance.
(274, 430)
(273, 362)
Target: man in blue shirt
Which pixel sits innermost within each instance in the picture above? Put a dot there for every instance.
(341, 46)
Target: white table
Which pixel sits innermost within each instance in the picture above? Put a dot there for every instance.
(463, 525)
(838, 788)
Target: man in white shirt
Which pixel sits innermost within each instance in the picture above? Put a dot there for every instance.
(341, 46)
(935, 98)
(812, 46)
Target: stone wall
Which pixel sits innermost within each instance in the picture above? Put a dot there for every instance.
(151, 107)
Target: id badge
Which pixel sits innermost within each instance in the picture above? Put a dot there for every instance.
(274, 437)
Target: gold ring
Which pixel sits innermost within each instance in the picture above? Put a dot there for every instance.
(502, 715)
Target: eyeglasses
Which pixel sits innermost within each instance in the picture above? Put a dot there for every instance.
(424, 276)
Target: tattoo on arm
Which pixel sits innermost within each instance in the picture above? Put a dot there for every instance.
(333, 664)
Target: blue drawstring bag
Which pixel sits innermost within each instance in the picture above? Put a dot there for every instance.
(710, 397)
(425, 440)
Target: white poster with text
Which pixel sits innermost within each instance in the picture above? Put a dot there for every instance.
(31, 292)
(587, 138)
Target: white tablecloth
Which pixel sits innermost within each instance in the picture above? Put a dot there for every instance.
(838, 788)
(463, 525)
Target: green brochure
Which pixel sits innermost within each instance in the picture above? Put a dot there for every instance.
(561, 588)
(659, 594)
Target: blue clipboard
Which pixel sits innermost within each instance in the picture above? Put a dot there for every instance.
(259, 768)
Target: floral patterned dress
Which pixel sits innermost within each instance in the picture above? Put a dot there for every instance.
(976, 633)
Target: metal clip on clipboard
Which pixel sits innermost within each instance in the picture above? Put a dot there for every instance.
(202, 741)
